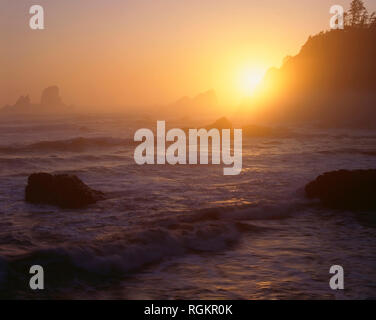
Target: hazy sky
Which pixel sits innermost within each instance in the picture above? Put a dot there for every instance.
(137, 52)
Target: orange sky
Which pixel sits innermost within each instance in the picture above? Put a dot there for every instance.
(141, 52)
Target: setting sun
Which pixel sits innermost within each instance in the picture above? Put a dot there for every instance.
(249, 80)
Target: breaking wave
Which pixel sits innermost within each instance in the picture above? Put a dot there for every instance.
(70, 145)
(122, 254)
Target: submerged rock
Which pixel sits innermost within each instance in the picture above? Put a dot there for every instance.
(344, 189)
(62, 190)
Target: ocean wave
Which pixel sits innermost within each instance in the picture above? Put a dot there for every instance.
(124, 253)
(256, 211)
(117, 258)
(26, 127)
(70, 145)
(349, 151)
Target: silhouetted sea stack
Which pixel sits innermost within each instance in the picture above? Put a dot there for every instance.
(205, 103)
(51, 97)
(62, 190)
(222, 123)
(347, 190)
(23, 104)
(50, 103)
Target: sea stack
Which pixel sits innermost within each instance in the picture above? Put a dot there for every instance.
(51, 97)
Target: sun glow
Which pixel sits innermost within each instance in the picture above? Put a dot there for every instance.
(249, 80)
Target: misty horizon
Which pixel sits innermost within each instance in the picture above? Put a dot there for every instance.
(119, 76)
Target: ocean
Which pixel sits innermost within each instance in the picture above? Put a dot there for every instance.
(185, 231)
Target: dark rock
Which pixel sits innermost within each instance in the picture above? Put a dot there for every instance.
(63, 190)
(347, 190)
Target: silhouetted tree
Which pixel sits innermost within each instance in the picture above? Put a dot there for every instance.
(372, 20)
(358, 16)
(357, 12)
